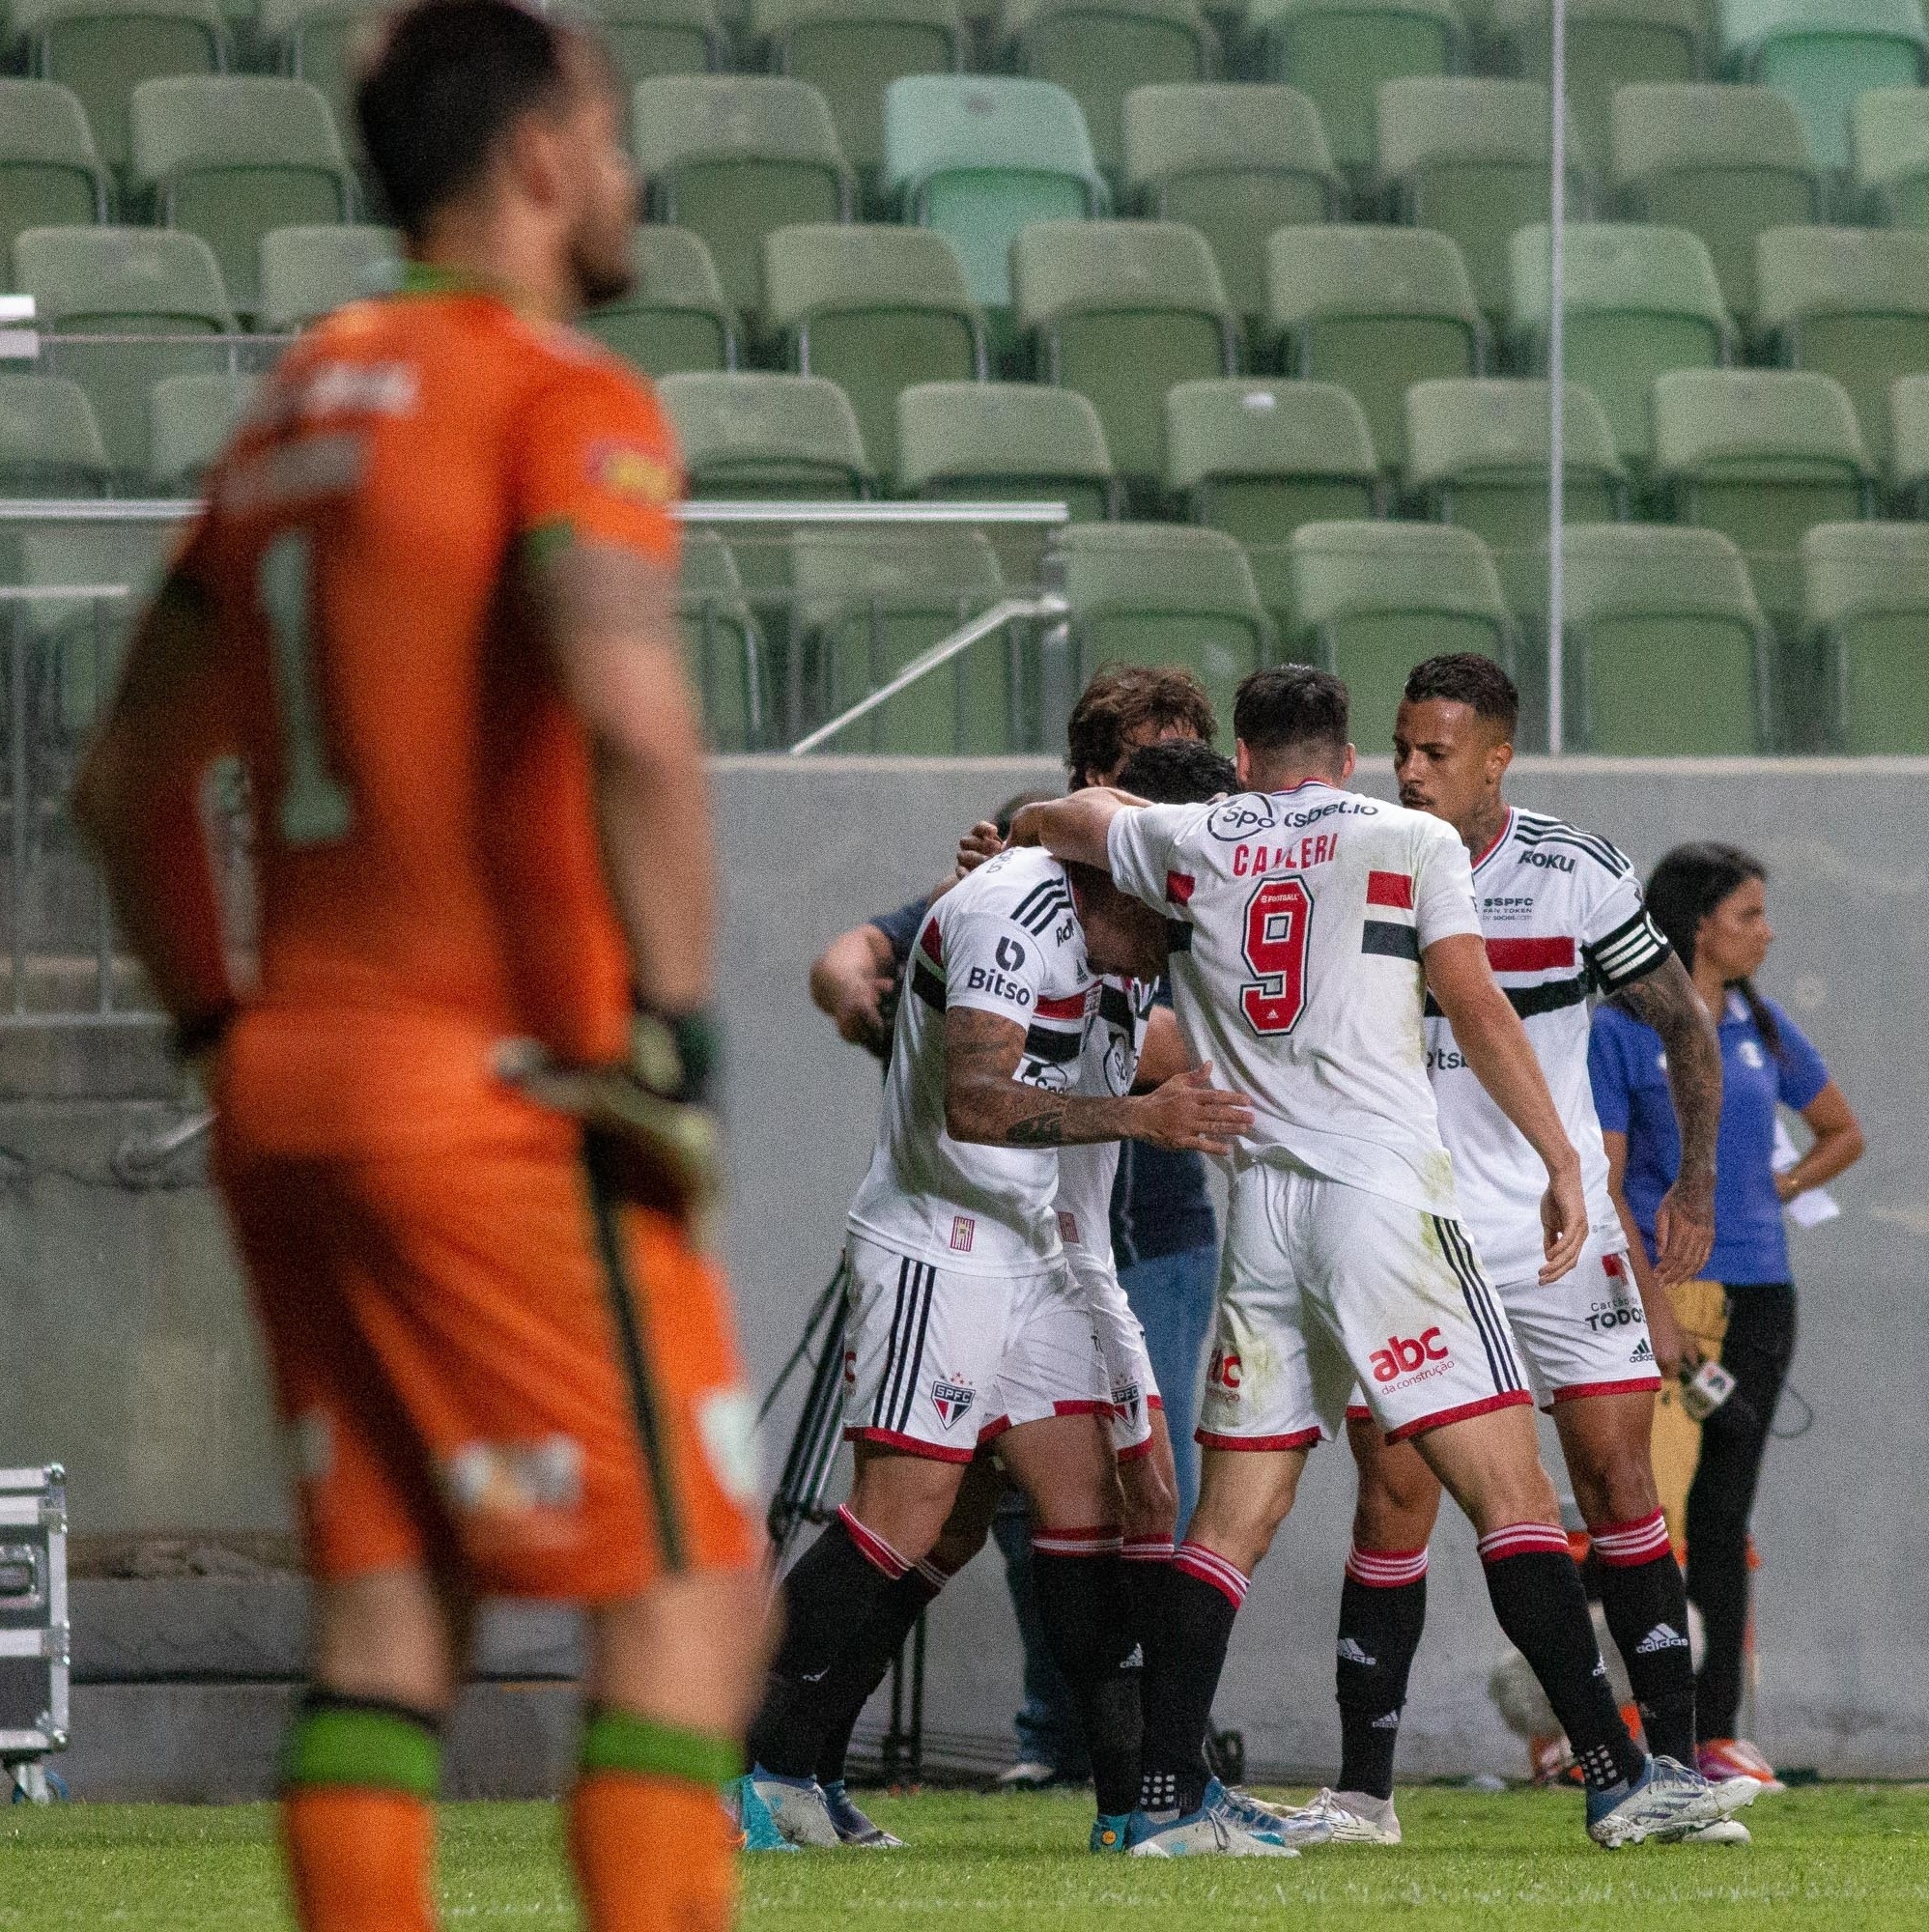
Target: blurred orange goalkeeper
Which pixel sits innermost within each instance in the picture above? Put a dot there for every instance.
(430, 607)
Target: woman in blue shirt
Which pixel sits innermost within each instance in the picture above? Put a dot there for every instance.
(1710, 903)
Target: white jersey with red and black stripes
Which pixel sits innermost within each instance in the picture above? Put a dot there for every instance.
(1563, 919)
(1006, 941)
(1297, 921)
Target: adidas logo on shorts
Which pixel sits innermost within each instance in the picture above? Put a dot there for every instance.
(1664, 1637)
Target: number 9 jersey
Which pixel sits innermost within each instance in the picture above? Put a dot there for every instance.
(1296, 922)
(425, 839)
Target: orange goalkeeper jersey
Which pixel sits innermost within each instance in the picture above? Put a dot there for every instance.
(426, 855)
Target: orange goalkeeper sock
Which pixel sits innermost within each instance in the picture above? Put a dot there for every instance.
(654, 1850)
(357, 1817)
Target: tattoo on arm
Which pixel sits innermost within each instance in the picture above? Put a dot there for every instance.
(1665, 1000)
(984, 1101)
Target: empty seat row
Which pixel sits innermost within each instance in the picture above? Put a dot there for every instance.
(224, 158)
(1669, 652)
(51, 446)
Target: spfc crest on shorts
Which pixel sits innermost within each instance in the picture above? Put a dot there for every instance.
(950, 1399)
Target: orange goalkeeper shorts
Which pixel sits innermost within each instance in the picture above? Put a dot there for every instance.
(488, 1365)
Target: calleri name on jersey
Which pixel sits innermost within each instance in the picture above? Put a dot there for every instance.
(1564, 919)
(1006, 940)
(1296, 922)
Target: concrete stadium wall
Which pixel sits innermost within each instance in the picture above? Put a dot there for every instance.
(127, 1352)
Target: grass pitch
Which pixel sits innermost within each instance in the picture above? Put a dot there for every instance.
(1831, 1859)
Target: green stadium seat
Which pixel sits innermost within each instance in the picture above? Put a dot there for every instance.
(1164, 594)
(1639, 301)
(876, 310)
(762, 435)
(189, 421)
(50, 174)
(49, 443)
(1666, 651)
(231, 158)
(1011, 442)
(158, 290)
(979, 158)
(722, 645)
(1469, 159)
(1852, 302)
(1822, 54)
(104, 49)
(853, 50)
(1890, 130)
(322, 41)
(1099, 51)
(1908, 445)
(1338, 52)
(1725, 162)
(735, 155)
(1865, 601)
(1120, 311)
(1610, 43)
(307, 271)
(676, 317)
(1373, 309)
(1478, 454)
(649, 39)
(868, 602)
(1234, 162)
(1370, 600)
(1256, 457)
(1761, 455)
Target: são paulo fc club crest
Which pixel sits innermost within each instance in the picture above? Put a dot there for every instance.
(950, 1399)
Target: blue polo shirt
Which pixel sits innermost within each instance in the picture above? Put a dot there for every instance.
(1628, 1069)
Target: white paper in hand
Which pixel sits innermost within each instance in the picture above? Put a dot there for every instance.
(1809, 1209)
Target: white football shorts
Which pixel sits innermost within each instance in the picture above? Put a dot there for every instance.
(936, 1363)
(1324, 1287)
(1585, 1334)
(1128, 1365)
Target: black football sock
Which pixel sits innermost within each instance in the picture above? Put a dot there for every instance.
(1538, 1596)
(861, 1669)
(1201, 1597)
(1646, 1603)
(1082, 1606)
(830, 1596)
(1382, 1611)
(1144, 1563)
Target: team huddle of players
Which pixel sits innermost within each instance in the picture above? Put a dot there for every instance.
(1381, 1033)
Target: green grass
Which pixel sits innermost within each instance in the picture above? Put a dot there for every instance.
(1839, 1857)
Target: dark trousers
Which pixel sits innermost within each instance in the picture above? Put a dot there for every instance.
(1756, 1351)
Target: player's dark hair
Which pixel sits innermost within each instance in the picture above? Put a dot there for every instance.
(1177, 771)
(1466, 677)
(1685, 888)
(1122, 701)
(450, 79)
(1013, 805)
(1292, 705)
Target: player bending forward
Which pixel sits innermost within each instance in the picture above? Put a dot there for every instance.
(428, 608)
(1563, 918)
(968, 1323)
(1309, 925)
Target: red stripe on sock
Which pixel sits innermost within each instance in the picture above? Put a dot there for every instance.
(1626, 1544)
(872, 1547)
(1386, 1569)
(1518, 1539)
(1194, 1559)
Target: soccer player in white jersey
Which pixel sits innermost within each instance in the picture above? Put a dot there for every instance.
(966, 1325)
(1563, 918)
(1307, 926)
